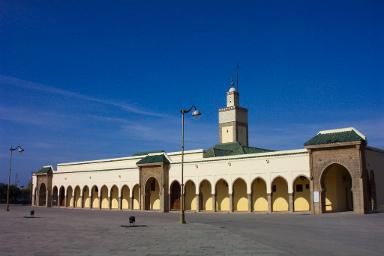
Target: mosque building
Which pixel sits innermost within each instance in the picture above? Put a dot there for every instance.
(335, 171)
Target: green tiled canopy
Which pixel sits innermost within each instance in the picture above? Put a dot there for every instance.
(336, 137)
(232, 148)
(153, 159)
(45, 169)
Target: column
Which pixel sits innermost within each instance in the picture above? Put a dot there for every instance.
(119, 203)
(33, 200)
(65, 200)
(197, 202)
(46, 199)
(290, 202)
(130, 203)
(269, 196)
(213, 202)
(73, 200)
(230, 202)
(249, 202)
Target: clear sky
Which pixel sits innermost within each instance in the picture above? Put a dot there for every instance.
(83, 80)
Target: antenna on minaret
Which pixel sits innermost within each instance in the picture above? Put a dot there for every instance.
(237, 77)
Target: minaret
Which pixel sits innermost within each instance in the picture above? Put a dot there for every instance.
(233, 120)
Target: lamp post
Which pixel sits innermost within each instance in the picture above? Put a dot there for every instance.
(196, 113)
(11, 149)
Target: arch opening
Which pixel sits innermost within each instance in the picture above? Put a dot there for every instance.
(77, 199)
(125, 197)
(42, 195)
(152, 195)
(336, 186)
(55, 196)
(279, 195)
(136, 197)
(190, 196)
(69, 201)
(205, 199)
(240, 197)
(86, 201)
(175, 196)
(104, 197)
(114, 197)
(62, 196)
(259, 195)
(222, 196)
(301, 194)
(95, 201)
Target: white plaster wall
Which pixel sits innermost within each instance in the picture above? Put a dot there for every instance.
(375, 163)
(287, 164)
(117, 172)
(123, 171)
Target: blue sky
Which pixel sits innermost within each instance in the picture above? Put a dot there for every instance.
(82, 80)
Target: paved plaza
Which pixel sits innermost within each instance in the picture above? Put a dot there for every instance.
(93, 232)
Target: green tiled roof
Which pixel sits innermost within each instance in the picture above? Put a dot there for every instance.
(147, 152)
(45, 169)
(153, 159)
(232, 148)
(335, 137)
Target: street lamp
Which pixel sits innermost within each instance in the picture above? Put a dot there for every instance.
(196, 113)
(20, 150)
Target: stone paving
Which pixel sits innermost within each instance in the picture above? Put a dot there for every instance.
(63, 231)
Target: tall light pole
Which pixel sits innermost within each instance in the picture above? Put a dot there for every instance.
(11, 149)
(196, 113)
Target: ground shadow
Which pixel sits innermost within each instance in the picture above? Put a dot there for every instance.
(133, 226)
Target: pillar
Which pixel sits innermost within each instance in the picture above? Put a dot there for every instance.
(46, 199)
(197, 202)
(230, 202)
(249, 202)
(33, 199)
(290, 202)
(130, 203)
(119, 203)
(269, 196)
(73, 200)
(213, 202)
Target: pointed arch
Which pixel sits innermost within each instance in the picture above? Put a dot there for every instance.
(95, 201)
(336, 189)
(301, 194)
(205, 200)
(86, 200)
(222, 195)
(69, 202)
(190, 196)
(240, 197)
(42, 195)
(77, 197)
(279, 195)
(104, 200)
(62, 196)
(175, 195)
(55, 196)
(152, 195)
(114, 197)
(125, 204)
(259, 195)
(136, 197)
